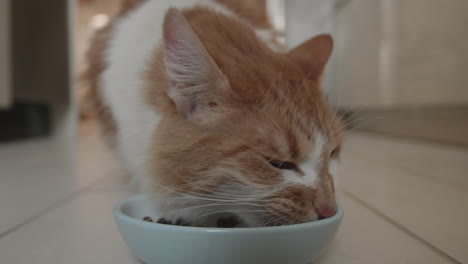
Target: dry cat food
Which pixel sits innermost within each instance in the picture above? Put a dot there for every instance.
(148, 219)
(164, 221)
(161, 221)
(228, 222)
(178, 222)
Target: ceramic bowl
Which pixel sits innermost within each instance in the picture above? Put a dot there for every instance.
(155, 243)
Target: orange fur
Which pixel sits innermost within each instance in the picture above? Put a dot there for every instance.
(273, 109)
(254, 11)
(273, 101)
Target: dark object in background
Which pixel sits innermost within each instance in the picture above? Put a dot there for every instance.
(23, 121)
(40, 51)
(40, 58)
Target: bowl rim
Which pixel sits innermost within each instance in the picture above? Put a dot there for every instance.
(119, 215)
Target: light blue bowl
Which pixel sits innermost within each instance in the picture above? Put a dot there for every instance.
(166, 244)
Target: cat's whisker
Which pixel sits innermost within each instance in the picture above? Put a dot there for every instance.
(257, 197)
(355, 112)
(199, 196)
(370, 120)
(198, 187)
(222, 195)
(187, 194)
(352, 118)
(187, 200)
(267, 221)
(184, 199)
(227, 196)
(337, 106)
(275, 220)
(206, 205)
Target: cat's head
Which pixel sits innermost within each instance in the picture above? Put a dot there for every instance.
(251, 137)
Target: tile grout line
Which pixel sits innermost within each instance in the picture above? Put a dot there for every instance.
(401, 227)
(53, 206)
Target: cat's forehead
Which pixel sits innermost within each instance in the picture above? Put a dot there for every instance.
(286, 112)
(285, 137)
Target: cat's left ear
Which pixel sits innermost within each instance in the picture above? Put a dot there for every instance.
(196, 85)
(313, 55)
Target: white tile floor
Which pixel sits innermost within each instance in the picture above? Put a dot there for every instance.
(404, 201)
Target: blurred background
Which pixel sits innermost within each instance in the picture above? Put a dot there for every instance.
(398, 77)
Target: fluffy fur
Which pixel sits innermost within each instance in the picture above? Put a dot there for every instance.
(200, 103)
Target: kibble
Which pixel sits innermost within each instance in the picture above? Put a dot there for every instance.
(164, 221)
(148, 219)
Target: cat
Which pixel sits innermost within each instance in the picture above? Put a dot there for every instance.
(213, 117)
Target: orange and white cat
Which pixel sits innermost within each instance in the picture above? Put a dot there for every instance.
(204, 109)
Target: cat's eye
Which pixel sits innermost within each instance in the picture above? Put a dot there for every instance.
(283, 165)
(335, 153)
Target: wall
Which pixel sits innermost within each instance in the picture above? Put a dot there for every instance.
(306, 19)
(358, 47)
(40, 51)
(432, 52)
(396, 53)
(42, 58)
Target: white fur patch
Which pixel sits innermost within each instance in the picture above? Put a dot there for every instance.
(309, 167)
(123, 86)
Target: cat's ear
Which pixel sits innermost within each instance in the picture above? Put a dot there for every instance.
(196, 84)
(313, 55)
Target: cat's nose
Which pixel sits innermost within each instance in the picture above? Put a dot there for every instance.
(326, 212)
